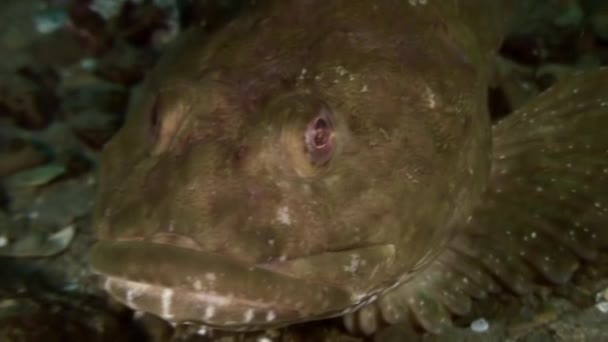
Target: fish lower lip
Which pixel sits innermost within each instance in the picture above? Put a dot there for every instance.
(175, 240)
(186, 285)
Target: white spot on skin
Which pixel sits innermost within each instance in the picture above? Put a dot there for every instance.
(283, 215)
(480, 325)
(431, 98)
(341, 70)
(270, 316)
(197, 285)
(135, 290)
(209, 312)
(303, 73)
(3, 241)
(202, 331)
(166, 301)
(171, 226)
(107, 285)
(355, 262)
(138, 314)
(210, 276)
(417, 2)
(214, 299)
(248, 316)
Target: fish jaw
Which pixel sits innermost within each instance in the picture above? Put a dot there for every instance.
(187, 285)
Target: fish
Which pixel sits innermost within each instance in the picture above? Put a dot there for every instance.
(316, 159)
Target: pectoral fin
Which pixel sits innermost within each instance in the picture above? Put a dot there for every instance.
(545, 210)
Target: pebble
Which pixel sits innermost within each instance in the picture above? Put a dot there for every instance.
(480, 325)
(602, 306)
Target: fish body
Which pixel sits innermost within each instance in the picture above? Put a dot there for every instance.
(322, 158)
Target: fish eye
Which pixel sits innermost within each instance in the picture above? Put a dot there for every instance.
(164, 116)
(319, 138)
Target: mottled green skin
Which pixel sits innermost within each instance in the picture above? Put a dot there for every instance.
(209, 187)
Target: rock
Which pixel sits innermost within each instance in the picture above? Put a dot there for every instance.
(35, 177)
(18, 155)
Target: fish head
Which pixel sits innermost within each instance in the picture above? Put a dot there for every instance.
(269, 178)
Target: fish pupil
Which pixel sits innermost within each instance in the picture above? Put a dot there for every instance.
(321, 133)
(319, 139)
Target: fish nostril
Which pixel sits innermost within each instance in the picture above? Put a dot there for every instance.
(239, 156)
(254, 193)
(240, 153)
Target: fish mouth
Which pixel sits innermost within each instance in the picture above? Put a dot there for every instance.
(187, 285)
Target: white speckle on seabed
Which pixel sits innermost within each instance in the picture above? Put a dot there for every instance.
(602, 306)
(602, 296)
